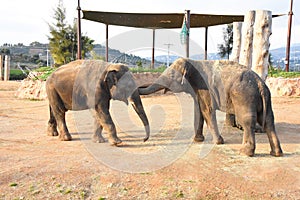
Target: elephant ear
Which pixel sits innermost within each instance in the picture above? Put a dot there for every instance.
(111, 78)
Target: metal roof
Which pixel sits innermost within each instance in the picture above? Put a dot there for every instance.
(159, 20)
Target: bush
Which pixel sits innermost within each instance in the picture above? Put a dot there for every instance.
(17, 74)
(141, 69)
(47, 71)
(279, 73)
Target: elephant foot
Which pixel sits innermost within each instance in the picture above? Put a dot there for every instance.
(246, 151)
(145, 139)
(277, 153)
(98, 139)
(65, 137)
(220, 140)
(115, 141)
(52, 132)
(199, 138)
(258, 129)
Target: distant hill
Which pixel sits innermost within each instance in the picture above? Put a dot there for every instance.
(116, 56)
(280, 52)
(277, 57)
(172, 58)
(36, 55)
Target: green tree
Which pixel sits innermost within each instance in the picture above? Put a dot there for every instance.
(95, 56)
(63, 40)
(87, 43)
(139, 64)
(226, 48)
(5, 51)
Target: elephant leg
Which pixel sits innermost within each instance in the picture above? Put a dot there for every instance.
(211, 121)
(230, 120)
(213, 126)
(57, 117)
(97, 136)
(107, 123)
(198, 123)
(60, 118)
(62, 127)
(273, 138)
(52, 125)
(248, 122)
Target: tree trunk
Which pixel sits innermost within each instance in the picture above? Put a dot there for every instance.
(247, 33)
(6, 67)
(1, 68)
(261, 44)
(237, 37)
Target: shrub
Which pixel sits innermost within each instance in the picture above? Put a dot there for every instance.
(47, 71)
(17, 74)
(279, 73)
(141, 69)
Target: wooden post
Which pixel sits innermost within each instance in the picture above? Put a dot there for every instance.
(247, 36)
(188, 24)
(288, 43)
(1, 67)
(261, 44)
(205, 45)
(237, 38)
(6, 68)
(153, 50)
(106, 44)
(79, 44)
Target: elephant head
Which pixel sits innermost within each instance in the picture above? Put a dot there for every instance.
(177, 78)
(121, 86)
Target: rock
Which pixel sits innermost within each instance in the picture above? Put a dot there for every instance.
(284, 86)
(32, 89)
(35, 89)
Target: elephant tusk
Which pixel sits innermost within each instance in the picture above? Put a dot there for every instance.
(183, 78)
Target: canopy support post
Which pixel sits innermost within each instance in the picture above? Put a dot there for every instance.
(188, 24)
(288, 43)
(205, 45)
(106, 44)
(78, 32)
(153, 49)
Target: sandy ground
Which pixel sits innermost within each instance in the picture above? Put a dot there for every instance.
(168, 166)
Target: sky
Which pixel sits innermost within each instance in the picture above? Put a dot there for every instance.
(26, 21)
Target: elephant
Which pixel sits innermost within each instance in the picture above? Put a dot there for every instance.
(91, 84)
(226, 86)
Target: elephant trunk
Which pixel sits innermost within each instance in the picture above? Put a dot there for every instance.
(139, 109)
(150, 89)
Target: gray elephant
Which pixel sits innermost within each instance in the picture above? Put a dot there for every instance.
(91, 84)
(225, 86)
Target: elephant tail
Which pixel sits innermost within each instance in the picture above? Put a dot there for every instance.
(264, 96)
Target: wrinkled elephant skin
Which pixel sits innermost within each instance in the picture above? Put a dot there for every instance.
(225, 86)
(91, 84)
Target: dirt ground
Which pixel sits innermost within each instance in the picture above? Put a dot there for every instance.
(36, 166)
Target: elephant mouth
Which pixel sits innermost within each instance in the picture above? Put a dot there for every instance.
(122, 97)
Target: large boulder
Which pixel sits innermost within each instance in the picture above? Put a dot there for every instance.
(284, 86)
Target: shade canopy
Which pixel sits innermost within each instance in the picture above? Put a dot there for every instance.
(159, 20)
